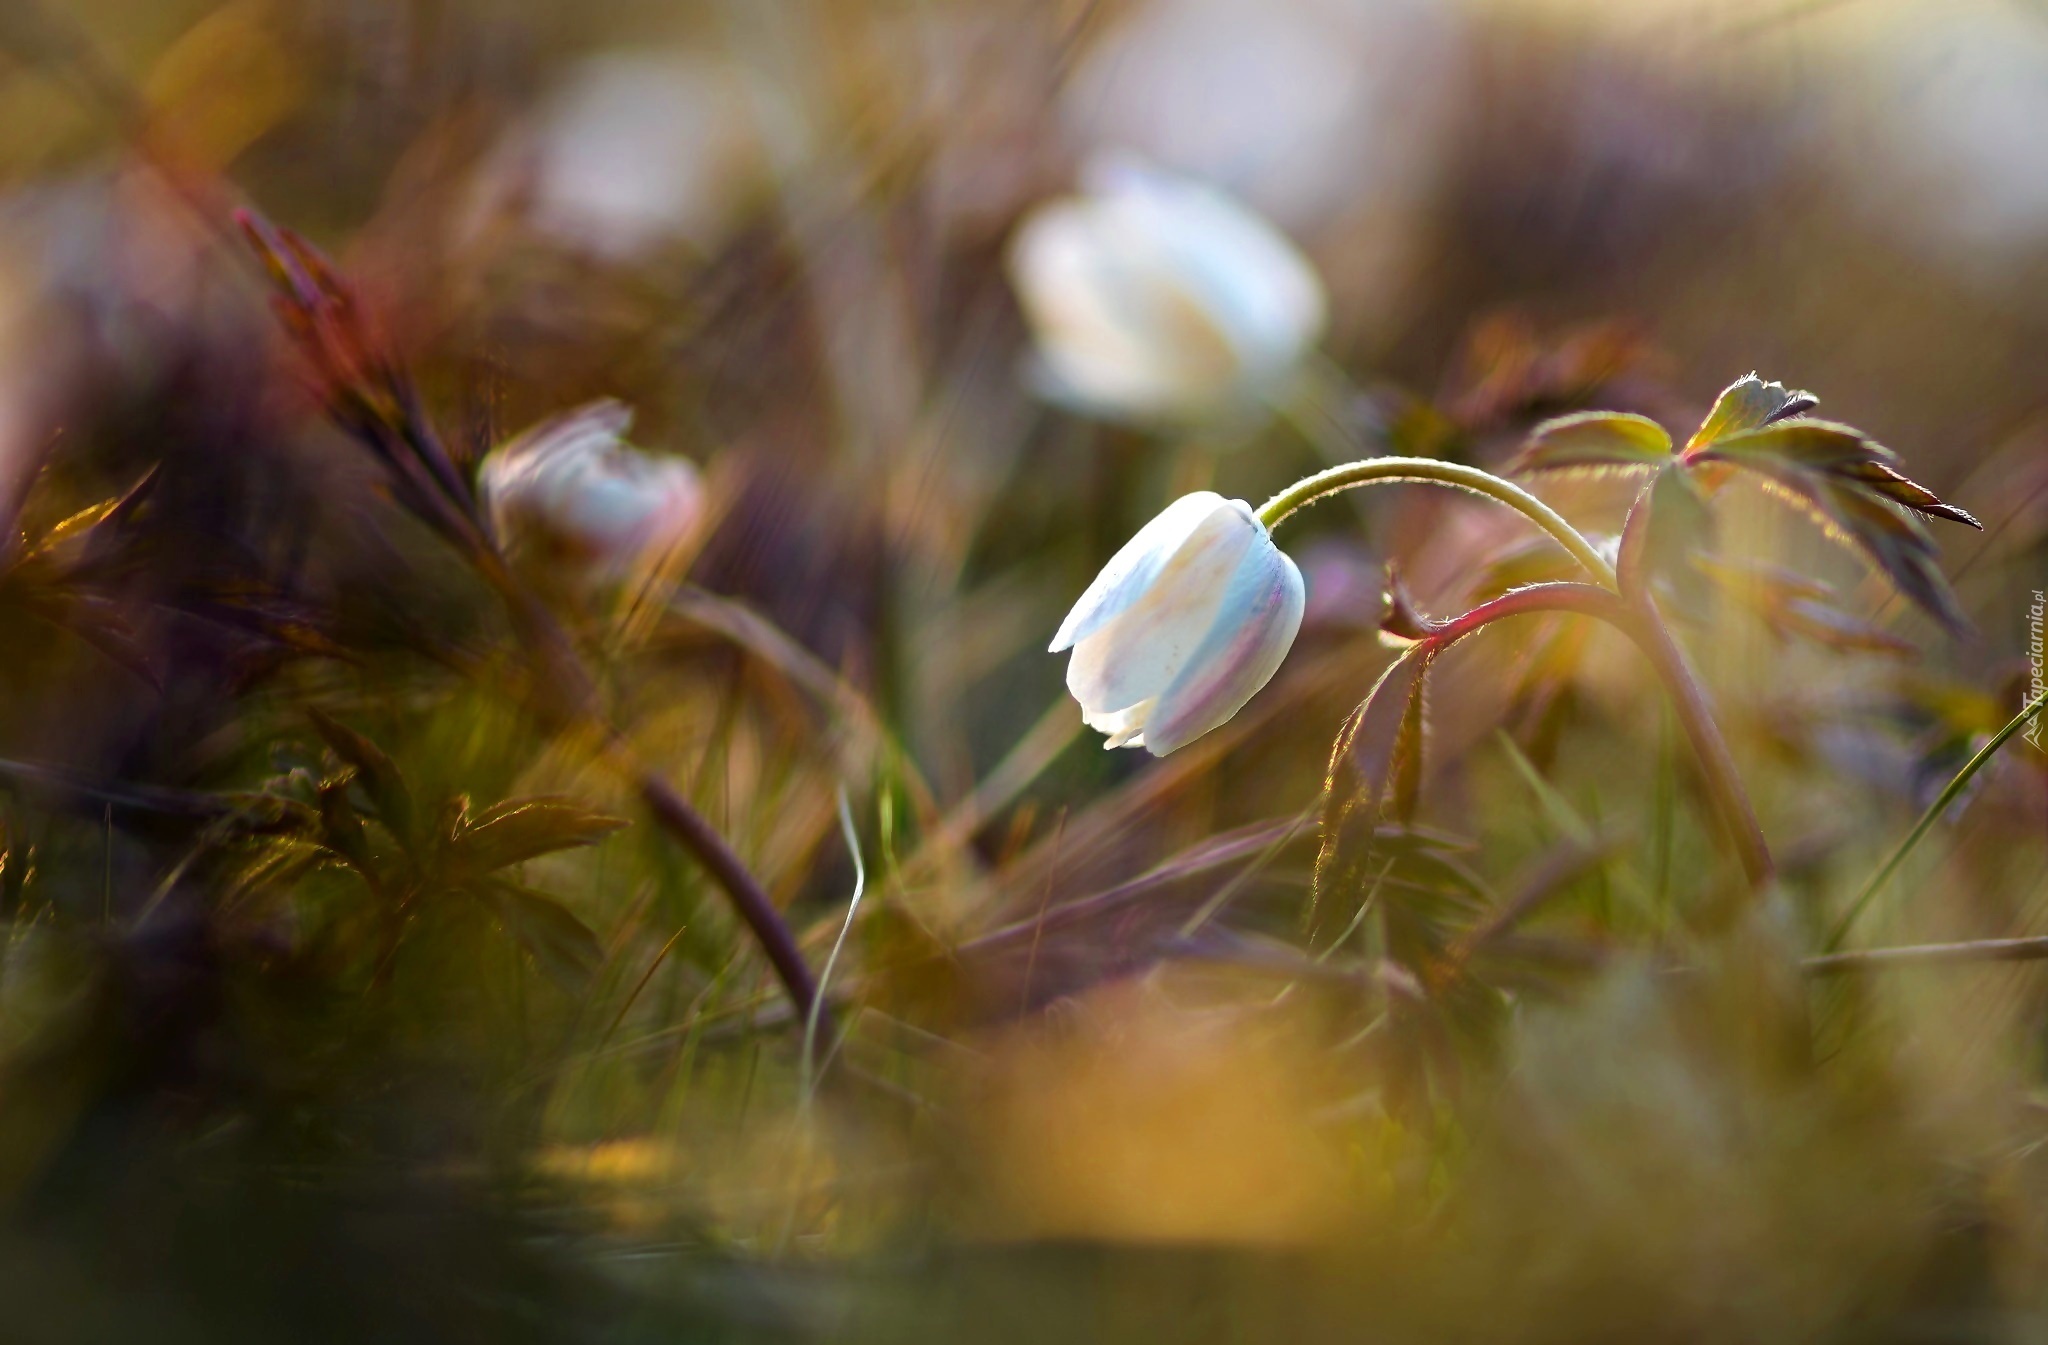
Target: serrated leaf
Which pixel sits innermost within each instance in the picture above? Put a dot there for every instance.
(1888, 537)
(1853, 487)
(1746, 404)
(525, 829)
(561, 945)
(1895, 486)
(1374, 777)
(1897, 544)
(379, 774)
(1840, 452)
(1594, 441)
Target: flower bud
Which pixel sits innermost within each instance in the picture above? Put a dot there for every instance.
(1183, 626)
(571, 492)
(1158, 298)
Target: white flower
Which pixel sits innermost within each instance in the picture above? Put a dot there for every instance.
(631, 152)
(1156, 297)
(572, 490)
(1183, 626)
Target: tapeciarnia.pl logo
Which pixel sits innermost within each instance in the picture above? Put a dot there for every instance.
(2033, 733)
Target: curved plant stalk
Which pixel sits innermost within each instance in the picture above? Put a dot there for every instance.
(812, 1067)
(1646, 631)
(1927, 819)
(1368, 471)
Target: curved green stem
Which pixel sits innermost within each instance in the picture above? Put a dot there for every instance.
(1928, 819)
(1368, 471)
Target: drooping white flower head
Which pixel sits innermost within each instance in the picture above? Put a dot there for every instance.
(1183, 626)
(1156, 297)
(572, 491)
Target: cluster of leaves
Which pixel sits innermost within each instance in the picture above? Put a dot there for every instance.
(1848, 483)
(362, 817)
(1436, 924)
(1449, 953)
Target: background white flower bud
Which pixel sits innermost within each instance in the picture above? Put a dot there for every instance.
(572, 492)
(1183, 626)
(1157, 297)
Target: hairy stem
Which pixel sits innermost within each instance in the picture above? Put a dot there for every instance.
(1927, 819)
(1688, 698)
(1369, 471)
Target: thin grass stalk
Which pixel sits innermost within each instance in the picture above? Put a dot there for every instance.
(1948, 795)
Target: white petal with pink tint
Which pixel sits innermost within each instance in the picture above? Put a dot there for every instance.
(1183, 626)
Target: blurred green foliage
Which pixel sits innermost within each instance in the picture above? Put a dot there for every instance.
(351, 990)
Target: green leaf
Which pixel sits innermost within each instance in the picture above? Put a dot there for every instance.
(1897, 544)
(560, 944)
(1669, 527)
(1837, 451)
(522, 829)
(1594, 441)
(1853, 487)
(1746, 404)
(379, 774)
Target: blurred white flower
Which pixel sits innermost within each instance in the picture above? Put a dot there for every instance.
(1956, 150)
(1183, 626)
(1302, 108)
(572, 492)
(631, 151)
(1156, 297)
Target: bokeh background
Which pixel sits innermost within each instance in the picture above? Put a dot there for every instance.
(1104, 1074)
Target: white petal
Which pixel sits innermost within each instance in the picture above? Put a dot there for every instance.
(1141, 652)
(1134, 568)
(1254, 286)
(1143, 649)
(1118, 328)
(1123, 728)
(573, 483)
(1254, 628)
(1260, 291)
